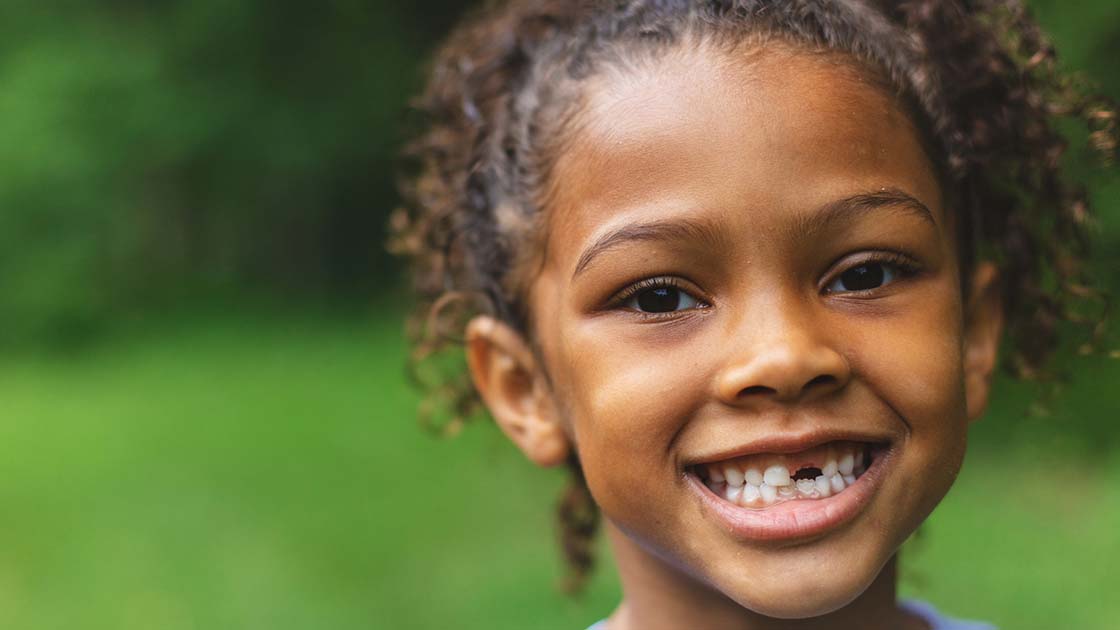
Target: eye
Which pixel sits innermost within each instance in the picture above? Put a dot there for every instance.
(658, 296)
(864, 277)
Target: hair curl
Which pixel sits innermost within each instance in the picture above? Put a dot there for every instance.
(980, 74)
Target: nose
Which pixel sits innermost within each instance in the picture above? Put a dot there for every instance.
(782, 356)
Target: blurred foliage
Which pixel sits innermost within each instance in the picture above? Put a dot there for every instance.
(246, 471)
(158, 153)
(265, 473)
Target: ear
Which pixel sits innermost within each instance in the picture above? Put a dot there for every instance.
(983, 325)
(515, 389)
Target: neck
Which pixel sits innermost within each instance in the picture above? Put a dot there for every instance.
(659, 596)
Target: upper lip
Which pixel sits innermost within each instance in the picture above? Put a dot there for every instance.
(788, 443)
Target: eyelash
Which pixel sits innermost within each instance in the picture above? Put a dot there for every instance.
(658, 282)
(904, 265)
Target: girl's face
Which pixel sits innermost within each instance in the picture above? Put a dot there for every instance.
(749, 268)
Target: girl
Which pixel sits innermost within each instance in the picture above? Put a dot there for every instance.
(743, 266)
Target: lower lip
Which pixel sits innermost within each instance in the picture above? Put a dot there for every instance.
(799, 518)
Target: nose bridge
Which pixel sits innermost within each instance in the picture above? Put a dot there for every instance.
(780, 349)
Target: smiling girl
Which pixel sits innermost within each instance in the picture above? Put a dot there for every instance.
(744, 268)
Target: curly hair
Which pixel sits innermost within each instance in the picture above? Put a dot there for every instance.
(980, 79)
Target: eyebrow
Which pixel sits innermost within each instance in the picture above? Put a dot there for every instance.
(840, 210)
(674, 230)
(689, 229)
(863, 203)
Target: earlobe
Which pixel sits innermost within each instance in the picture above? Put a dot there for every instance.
(512, 385)
(983, 326)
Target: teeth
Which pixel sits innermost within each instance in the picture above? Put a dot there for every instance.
(830, 467)
(734, 475)
(769, 493)
(744, 482)
(753, 476)
(750, 495)
(823, 486)
(733, 493)
(777, 475)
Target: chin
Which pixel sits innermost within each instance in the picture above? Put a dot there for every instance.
(803, 582)
(801, 602)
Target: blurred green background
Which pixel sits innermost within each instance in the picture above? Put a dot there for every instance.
(203, 416)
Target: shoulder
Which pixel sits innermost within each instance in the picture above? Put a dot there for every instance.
(937, 621)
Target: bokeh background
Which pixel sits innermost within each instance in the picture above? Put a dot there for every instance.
(204, 421)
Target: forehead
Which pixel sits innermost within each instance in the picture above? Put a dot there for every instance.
(757, 131)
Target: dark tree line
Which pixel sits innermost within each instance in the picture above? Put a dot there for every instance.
(160, 153)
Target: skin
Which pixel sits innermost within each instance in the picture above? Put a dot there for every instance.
(749, 149)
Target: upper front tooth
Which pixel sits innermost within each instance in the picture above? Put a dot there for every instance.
(734, 475)
(777, 475)
(830, 467)
(753, 476)
(847, 463)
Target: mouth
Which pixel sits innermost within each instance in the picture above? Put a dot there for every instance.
(763, 479)
(773, 496)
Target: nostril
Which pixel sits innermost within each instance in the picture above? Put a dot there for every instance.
(755, 390)
(823, 379)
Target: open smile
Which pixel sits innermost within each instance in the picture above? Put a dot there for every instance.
(778, 496)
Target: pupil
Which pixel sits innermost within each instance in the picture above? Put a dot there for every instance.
(660, 300)
(863, 277)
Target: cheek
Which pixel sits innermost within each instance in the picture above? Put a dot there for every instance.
(625, 402)
(914, 365)
(913, 361)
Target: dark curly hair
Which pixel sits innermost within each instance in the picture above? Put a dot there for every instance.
(979, 76)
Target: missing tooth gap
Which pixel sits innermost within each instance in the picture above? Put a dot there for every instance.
(809, 472)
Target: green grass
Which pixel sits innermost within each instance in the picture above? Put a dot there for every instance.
(270, 475)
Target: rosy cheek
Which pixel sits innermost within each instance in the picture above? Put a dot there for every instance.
(912, 358)
(913, 364)
(922, 376)
(625, 406)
